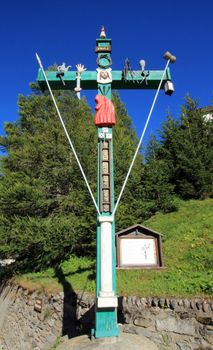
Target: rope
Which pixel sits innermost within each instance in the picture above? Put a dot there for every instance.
(142, 135)
(67, 135)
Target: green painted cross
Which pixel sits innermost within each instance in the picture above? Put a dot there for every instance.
(104, 79)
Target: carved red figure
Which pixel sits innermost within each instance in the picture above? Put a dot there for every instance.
(105, 111)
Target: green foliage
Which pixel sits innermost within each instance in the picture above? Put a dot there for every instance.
(46, 212)
(56, 343)
(158, 191)
(187, 243)
(45, 207)
(36, 241)
(187, 254)
(207, 287)
(125, 141)
(79, 273)
(187, 147)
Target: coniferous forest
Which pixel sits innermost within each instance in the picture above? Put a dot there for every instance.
(46, 212)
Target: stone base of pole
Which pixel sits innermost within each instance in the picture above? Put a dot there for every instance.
(123, 342)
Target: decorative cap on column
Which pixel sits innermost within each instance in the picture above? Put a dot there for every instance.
(103, 34)
(103, 44)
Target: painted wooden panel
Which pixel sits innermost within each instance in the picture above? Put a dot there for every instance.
(89, 80)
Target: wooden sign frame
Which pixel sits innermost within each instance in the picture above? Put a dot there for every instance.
(139, 247)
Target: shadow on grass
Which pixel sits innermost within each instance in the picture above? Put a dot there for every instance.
(79, 270)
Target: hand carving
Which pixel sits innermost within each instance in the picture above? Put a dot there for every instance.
(80, 68)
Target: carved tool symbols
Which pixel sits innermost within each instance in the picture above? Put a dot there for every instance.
(127, 70)
(61, 70)
(135, 76)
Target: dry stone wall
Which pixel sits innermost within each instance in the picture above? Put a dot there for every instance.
(171, 323)
(34, 320)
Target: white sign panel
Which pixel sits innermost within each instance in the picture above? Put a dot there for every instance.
(138, 251)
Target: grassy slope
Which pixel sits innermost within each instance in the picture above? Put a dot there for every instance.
(187, 251)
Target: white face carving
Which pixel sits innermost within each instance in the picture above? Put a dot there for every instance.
(104, 76)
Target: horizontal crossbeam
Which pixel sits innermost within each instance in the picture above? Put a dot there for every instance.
(133, 80)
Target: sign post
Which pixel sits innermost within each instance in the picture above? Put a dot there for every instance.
(104, 79)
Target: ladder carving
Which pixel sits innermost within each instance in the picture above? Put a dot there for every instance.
(105, 199)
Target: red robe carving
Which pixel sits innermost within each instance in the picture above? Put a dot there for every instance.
(105, 111)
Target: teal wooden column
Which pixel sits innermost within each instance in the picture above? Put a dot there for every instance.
(105, 317)
(105, 79)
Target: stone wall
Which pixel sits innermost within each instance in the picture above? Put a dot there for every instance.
(34, 320)
(171, 323)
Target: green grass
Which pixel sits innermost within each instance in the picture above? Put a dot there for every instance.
(187, 236)
(56, 343)
(78, 272)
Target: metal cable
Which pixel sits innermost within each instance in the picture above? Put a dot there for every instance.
(142, 135)
(67, 135)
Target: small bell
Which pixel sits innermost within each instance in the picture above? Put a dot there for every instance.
(169, 88)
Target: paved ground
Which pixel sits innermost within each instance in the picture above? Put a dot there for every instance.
(124, 342)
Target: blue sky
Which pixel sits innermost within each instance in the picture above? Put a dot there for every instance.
(65, 31)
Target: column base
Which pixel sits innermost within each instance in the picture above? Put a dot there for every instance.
(106, 323)
(107, 301)
(104, 294)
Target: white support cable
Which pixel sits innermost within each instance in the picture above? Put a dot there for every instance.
(67, 135)
(142, 135)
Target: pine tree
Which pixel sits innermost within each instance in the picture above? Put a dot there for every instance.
(46, 211)
(131, 207)
(158, 191)
(187, 148)
(45, 207)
